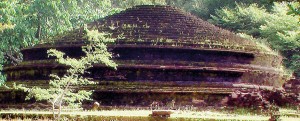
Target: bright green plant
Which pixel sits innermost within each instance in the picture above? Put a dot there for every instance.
(282, 32)
(25, 23)
(294, 7)
(130, 3)
(261, 43)
(242, 19)
(290, 47)
(279, 30)
(2, 79)
(205, 8)
(66, 90)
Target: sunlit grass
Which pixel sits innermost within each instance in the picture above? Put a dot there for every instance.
(239, 114)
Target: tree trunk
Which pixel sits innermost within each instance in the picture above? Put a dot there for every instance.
(39, 28)
(61, 99)
(59, 111)
(53, 110)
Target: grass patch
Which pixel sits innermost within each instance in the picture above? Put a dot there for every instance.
(143, 115)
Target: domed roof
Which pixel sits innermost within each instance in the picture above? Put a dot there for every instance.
(162, 51)
(161, 25)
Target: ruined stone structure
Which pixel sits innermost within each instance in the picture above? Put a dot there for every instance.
(164, 55)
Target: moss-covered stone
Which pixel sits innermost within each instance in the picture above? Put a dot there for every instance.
(160, 50)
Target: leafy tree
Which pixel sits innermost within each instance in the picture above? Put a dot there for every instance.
(7, 44)
(279, 29)
(201, 8)
(28, 22)
(66, 89)
(282, 32)
(205, 8)
(294, 8)
(130, 3)
(242, 19)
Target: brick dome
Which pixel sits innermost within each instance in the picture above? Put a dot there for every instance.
(162, 50)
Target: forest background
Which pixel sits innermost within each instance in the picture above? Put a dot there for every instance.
(25, 23)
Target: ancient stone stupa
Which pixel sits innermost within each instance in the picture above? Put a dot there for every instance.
(165, 55)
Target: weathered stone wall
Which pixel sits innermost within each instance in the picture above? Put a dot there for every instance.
(161, 51)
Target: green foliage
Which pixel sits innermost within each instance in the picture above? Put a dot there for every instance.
(130, 3)
(283, 33)
(12, 37)
(28, 22)
(5, 26)
(294, 7)
(59, 87)
(205, 8)
(260, 42)
(2, 79)
(276, 27)
(289, 45)
(66, 90)
(242, 19)
(201, 8)
(58, 16)
(96, 51)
